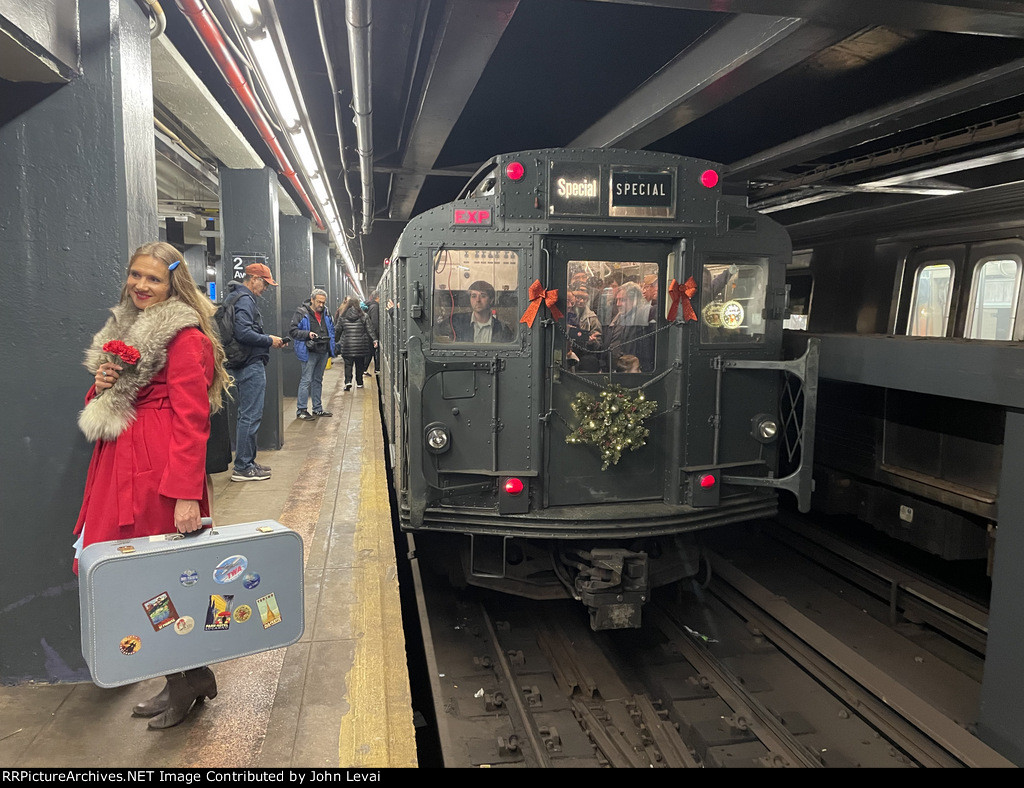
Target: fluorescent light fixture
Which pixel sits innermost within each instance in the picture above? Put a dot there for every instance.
(304, 150)
(248, 12)
(274, 77)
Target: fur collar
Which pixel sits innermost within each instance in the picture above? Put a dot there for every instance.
(149, 331)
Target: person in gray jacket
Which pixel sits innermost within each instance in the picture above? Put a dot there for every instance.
(356, 339)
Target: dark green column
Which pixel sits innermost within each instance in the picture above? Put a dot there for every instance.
(249, 226)
(296, 285)
(77, 195)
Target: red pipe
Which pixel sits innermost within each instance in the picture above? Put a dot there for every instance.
(215, 45)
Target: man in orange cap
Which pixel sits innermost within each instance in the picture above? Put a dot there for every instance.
(251, 377)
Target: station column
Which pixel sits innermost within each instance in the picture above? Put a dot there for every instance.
(321, 269)
(296, 285)
(249, 223)
(77, 196)
(1002, 689)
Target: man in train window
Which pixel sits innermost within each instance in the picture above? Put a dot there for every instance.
(480, 325)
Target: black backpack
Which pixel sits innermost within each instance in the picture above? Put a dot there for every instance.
(234, 351)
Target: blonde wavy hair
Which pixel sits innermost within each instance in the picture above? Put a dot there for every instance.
(184, 288)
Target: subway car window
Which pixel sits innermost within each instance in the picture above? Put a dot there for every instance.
(612, 314)
(732, 300)
(801, 285)
(475, 299)
(994, 290)
(929, 305)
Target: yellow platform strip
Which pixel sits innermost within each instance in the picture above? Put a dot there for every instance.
(377, 731)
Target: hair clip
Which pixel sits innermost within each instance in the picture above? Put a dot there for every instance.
(173, 265)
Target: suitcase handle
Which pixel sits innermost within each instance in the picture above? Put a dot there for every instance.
(204, 521)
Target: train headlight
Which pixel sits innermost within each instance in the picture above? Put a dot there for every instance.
(765, 428)
(438, 438)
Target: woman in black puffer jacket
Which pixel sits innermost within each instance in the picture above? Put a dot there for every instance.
(355, 336)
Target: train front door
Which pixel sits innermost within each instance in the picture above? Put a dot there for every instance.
(613, 334)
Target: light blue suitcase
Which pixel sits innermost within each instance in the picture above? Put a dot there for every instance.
(163, 604)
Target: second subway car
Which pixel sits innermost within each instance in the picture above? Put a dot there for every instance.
(581, 365)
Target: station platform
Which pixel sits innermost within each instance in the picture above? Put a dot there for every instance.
(338, 698)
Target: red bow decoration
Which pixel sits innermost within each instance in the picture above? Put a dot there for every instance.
(538, 294)
(682, 292)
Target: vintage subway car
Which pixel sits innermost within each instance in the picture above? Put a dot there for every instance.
(581, 367)
(918, 311)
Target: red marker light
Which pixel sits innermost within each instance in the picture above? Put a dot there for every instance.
(513, 486)
(709, 178)
(515, 171)
(707, 480)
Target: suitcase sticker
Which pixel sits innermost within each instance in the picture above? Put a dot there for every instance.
(164, 604)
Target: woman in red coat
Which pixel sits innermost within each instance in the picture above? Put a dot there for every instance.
(151, 421)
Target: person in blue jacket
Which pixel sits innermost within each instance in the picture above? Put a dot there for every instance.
(313, 333)
(251, 376)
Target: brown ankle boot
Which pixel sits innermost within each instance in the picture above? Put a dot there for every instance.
(184, 691)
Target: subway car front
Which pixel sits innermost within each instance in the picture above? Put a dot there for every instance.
(583, 368)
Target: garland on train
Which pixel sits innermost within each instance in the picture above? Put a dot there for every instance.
(612, 422)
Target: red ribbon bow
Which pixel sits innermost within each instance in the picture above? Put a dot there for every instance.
(538, 294)
(682, 292)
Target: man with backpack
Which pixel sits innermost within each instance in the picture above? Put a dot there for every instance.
(247, 363)
(313, 333)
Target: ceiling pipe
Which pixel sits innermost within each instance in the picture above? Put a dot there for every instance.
(197, 15)
(359, 21)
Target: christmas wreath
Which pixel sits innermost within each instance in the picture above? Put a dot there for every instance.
(612, 422)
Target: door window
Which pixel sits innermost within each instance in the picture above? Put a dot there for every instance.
(611, 316)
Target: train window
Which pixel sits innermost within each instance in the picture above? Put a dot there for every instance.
(612, 316)
(929, 304)
(732, 300)
(993, 303)
(801, 285)
(476, 297)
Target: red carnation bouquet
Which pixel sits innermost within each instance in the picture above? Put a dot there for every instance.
(124, 353)
(121, 353)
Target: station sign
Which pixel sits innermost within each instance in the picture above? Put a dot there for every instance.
(240, 261)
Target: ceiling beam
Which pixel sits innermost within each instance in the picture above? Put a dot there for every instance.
(468, 36)
(972, 17)
(988, 87)
(739, 55)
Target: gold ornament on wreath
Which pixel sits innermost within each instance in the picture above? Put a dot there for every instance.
(612, 422)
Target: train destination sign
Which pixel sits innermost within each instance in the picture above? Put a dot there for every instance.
(641, 194)
(574, 189)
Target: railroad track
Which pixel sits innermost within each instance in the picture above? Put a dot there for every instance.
(729, 674)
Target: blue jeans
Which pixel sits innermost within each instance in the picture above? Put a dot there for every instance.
(251, 384)
(312, 381)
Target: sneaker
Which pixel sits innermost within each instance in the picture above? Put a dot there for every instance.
(319, 413)
(263, 468)
(253, 474)
(359, 385)
(348, 386)
(304, 415)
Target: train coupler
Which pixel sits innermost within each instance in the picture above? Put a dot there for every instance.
(614, 585)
